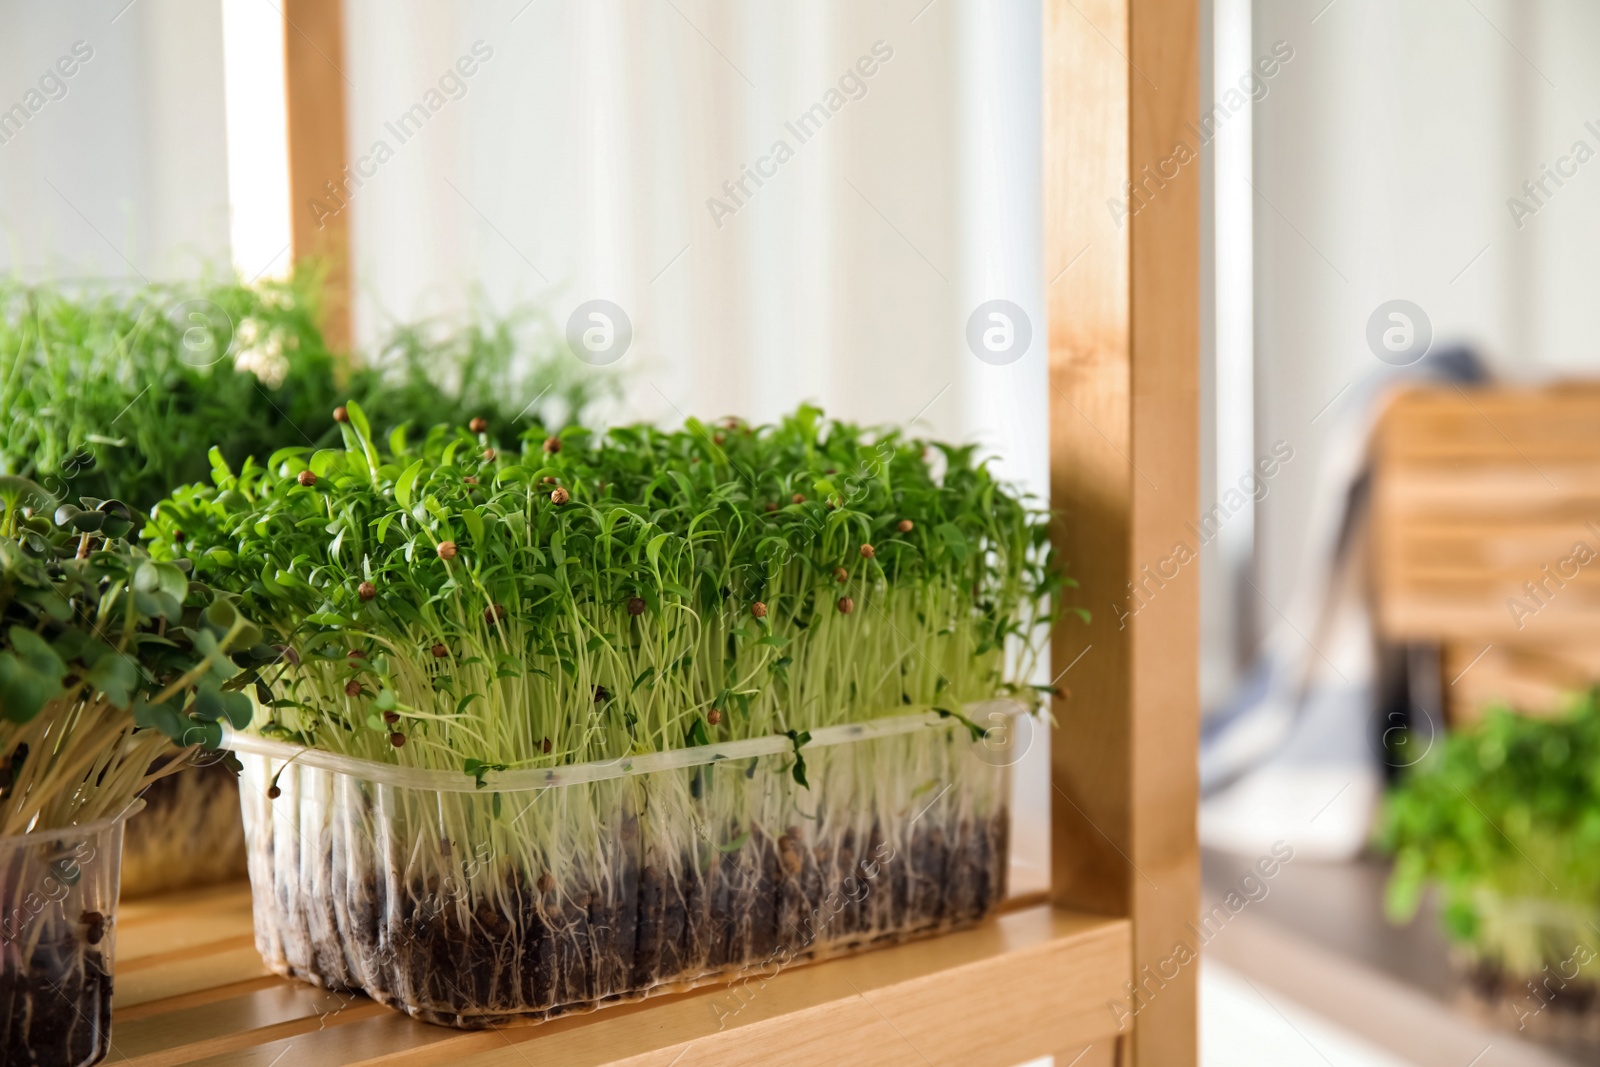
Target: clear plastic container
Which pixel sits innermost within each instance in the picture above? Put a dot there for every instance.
(191, 834)
(553, 891)
(1536, 962)
(58, 892)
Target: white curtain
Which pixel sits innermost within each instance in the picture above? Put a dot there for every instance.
(113, 161)
(605, 149)
(592, 153)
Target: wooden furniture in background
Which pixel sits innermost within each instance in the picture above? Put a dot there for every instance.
(1486, 537)
(319, 221)
(1048, 978)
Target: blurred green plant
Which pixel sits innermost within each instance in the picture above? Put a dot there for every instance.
(1504, 819)
(110, 393)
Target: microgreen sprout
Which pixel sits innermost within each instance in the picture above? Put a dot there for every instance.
(495, 612)
(108, 662)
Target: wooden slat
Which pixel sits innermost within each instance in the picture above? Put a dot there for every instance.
(1508, 424)
(1121, 80)
(313, 38)
(952, 999)
(1535, 679)
(233, 963)
(1486, 504)
(1478, 494)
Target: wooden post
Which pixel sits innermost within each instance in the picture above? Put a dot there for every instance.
(1121, 90)
(313, 38)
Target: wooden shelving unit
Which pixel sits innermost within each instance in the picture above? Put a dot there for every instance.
(1121, 81)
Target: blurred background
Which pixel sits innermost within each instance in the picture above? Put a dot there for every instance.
(1399, 453)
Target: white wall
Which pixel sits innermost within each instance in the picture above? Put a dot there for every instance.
(126, 173)
(1385, 154)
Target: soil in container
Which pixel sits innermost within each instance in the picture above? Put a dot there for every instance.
(608, 891)
(1547, 1006)
(59, 1011)
(532, 952)
(58, 903)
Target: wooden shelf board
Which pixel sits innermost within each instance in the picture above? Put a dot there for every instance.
(190, 989)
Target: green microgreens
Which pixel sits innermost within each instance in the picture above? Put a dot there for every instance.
(108, 661)
(120, 394)
(592, 596)
(1504, 817)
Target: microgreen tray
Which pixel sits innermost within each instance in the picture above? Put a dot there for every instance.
(545, 891)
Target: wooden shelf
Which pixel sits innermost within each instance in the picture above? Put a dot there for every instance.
(190, 989)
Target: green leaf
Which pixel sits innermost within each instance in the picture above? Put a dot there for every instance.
(17, 491)
(801, 739)
(477, 768)
(973, 728)
(115, 676)
(736, 844)
(220, 472)
(162, 717)
(209, 704)
(697, 734)
(358, 420)
(652, 550)
(30, 675)
(954, 539)
(152, 576)
(406, 483)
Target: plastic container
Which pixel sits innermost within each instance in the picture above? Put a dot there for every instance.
(58, 890)
(1534, 963)
(190, 836)
(554, 891)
